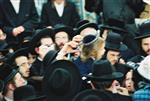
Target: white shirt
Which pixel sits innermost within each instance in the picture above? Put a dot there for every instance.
(16, 5)
(7, 99)
(147, 1)
(39, 5)
(59, 8)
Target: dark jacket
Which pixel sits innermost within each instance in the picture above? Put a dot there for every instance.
(120, 9)
(84, 67)
(27, 17)
(50, 16)
(118, 97)
(37, 68)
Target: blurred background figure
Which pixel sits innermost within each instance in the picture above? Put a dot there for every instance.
(59, 12)
(19, 19)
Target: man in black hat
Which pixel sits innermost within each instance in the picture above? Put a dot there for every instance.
(104, 78)
(41, 43)
(20, 60)
(62, 35)
(143, 41)
(62, 81)
(119, 26)
(125, 10)
(12, 79)
(114, 46)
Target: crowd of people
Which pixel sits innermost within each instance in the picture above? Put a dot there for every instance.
(54, 55)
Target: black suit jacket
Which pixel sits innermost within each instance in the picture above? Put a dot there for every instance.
(50, 16)
(27, 17)
(125, 10)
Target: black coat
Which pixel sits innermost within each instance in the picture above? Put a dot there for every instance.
(118, 97)
(27, 17)
(126, 10)
(50, 16)
(37, 68)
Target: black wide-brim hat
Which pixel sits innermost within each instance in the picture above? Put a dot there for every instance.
(27, 93)
(110, 77)
(81, 22)
(7, 73)
(115, 25)
(102, 70)
(92, 95)
(144, 30)
(114, 42)
(116, 47)
(64, 28)
(67, 92)
(40, 34)
(86, 25)
(17, 53)
(49, 57)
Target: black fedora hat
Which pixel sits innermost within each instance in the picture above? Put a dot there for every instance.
(92, 95)
(40, 34)
(144, 30)
(26, 93)
(61, 81)
(18, 53)
(64, 28)
(7, 73)
(103, 71)
(49, 58)
(115, 25)
(87, 25)
(114, 42)
(81, 22)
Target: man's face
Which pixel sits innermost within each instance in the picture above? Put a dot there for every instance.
(61, 38)
(19, 80)
(47, 41)
(113, 56)
(23, 64)
(146, 45)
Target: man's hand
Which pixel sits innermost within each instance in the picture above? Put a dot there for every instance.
(18, 30)
(122, 91)
(2, 35)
